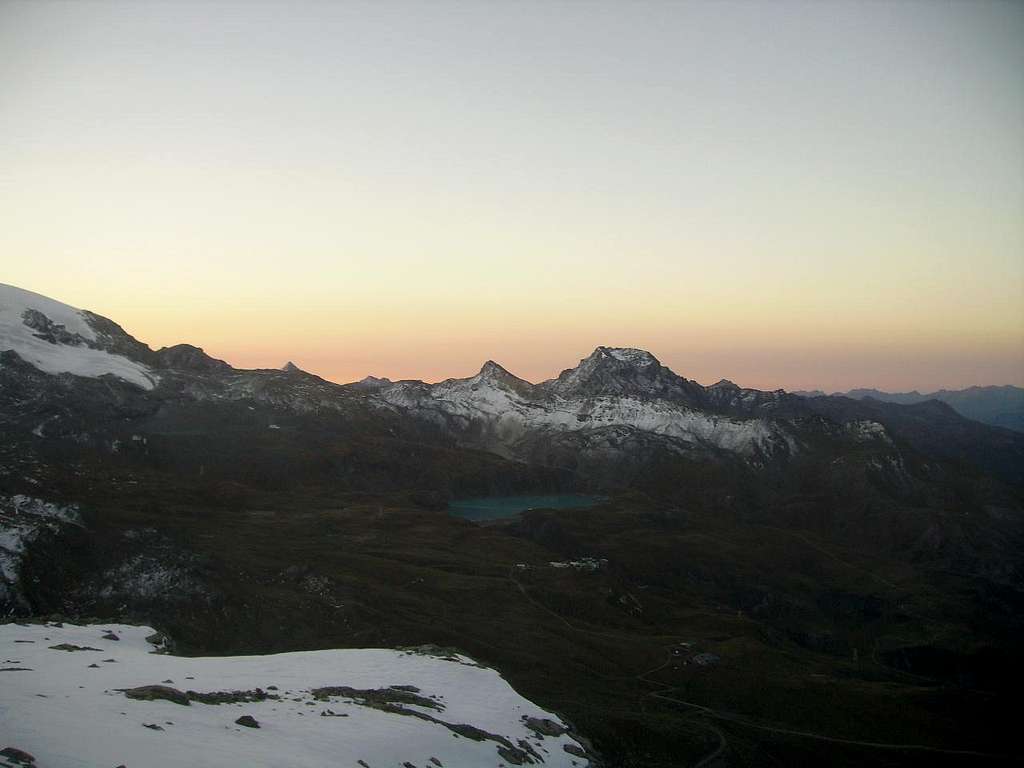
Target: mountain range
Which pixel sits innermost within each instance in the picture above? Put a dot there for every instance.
(751, 544)
(615, 409)
(1001, 406)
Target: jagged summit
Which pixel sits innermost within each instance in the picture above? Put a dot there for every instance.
(492, 371)
(493, 375)
(491, 368)
(371, 383)
(187, 357)
(623, 371)
(291, 367)
(638, 357)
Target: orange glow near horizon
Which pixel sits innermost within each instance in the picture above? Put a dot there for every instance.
(346, 342)
(787, 194)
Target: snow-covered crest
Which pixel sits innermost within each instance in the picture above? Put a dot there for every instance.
(14, 301)
(638, 357)
(610, 371)
(57, 338)
(611, 388)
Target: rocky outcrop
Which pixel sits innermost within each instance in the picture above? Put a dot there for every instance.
(158, 693)
(186, 357)
(23, 519)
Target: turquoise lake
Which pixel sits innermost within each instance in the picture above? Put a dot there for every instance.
(497, 507)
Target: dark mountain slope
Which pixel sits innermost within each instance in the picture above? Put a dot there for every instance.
(936, 429)
(765, 564)
(996, 406)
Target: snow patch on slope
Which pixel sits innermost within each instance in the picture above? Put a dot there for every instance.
(76, 358)
(22, 518)
(502, 415)
(71, 710)
(638, 357)
(867, 430)
(16, 300)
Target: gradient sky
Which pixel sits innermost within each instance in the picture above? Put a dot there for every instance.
(800, 195)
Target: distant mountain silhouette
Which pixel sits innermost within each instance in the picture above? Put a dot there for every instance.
(998, 406)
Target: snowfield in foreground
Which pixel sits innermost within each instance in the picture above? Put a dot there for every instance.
(67, 699)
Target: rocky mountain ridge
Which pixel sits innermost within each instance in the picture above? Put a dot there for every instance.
(257, 511)
(617, 406)
(610, 393)
(999, 406)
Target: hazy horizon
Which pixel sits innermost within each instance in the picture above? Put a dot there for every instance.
(789, 195)
(537, 378)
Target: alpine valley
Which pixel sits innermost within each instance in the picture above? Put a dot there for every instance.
(768, 578)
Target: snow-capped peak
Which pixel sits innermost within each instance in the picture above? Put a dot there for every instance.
(641, 358)
(491, 367)
(492, 374)
(15, 302)
(491, 371)
(58, 338)
(620, 371)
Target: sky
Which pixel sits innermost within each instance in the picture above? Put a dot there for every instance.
(786, 194)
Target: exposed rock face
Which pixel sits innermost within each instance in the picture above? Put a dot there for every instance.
(22, 520)
(59, 339)
(17, 756)
(114, 339)
(620, 409)
(615, 371)
(158, 693)
(47, 330)
(371, 383)
(1000, 406)
(614, 402)
(614, 412)
(544, 727)
(189, 358)
(71, 647)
